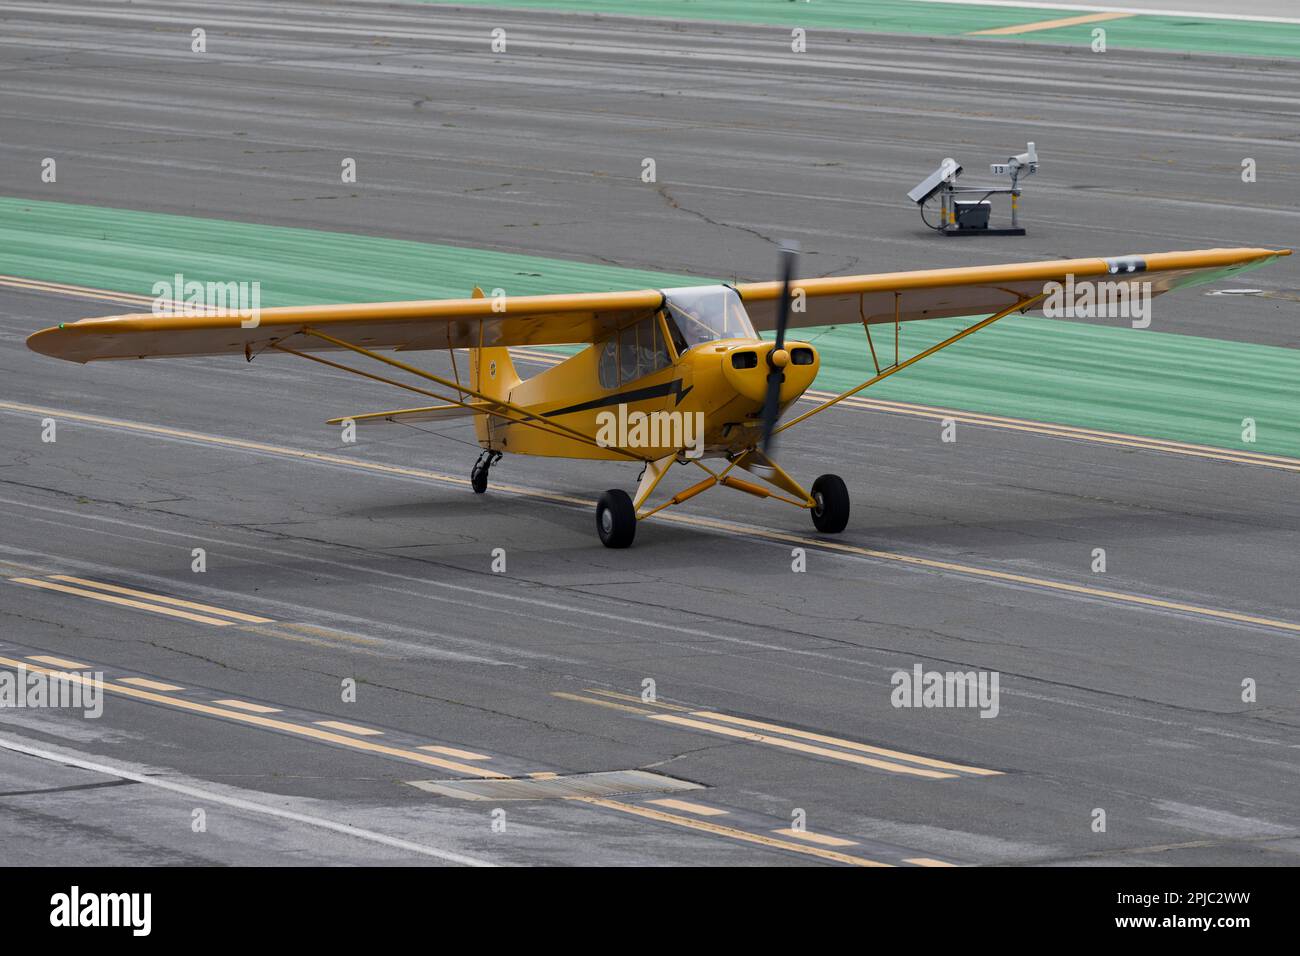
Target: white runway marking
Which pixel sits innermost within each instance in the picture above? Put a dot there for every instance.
(237, 803)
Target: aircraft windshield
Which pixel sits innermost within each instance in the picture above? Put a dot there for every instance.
(706, 314)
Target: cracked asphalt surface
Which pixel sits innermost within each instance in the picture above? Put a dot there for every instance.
(384, 578)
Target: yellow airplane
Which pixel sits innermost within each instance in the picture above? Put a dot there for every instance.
(671, 376)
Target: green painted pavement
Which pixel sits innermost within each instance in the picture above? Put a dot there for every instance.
(1144, 31)
(1158, 384)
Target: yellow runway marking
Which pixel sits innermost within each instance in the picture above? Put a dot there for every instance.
(686, 806)
(330, 633)
(821, 838)
(36, 285)
(759, 725)
(600, 703)
(125, 602)
(248, 706)
(927, 861)
(850, 744)
(271, 723)
(726, 527)
(545, 775)
(718, 829)
(162, 598)
(635, 700)
(1051, 24)
(151, 684)
(801, 747)
(349, 728)
(58, 662)
(455, 752)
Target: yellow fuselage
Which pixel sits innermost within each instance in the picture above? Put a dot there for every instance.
(717, 388)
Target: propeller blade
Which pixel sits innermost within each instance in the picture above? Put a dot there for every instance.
(776, 373)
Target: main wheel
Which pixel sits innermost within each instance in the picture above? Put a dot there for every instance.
(831, 513)
(478, 480)
(615, 519)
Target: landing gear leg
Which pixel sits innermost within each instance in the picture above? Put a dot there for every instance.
(478, 476)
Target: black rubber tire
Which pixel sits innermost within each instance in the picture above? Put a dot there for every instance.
(615, 519)
(478, 480)
(831, 515)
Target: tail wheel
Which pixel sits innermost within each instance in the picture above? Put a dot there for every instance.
(831, 512)
(478, 476)
(615, 519)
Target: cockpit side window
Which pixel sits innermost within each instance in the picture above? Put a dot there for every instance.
(631, 353)
(608, 367)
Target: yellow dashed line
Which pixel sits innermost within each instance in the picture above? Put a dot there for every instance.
(271, 723)
(456, 752)
(926, 861)
(58, 662)
(349, 728)
(820, 838)
(600, 703)
(1051, 24)
(850, 744)
(151, 684)
(686, 806)
(634, 699)
(125, 602)
(802, 747)
(250, 707)
(161, 598)
(545, 775)
(718, 829)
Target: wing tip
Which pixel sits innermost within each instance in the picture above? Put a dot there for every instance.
(45, 342)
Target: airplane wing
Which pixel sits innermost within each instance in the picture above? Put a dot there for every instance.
(405, 326)
(584, 317)
(984, 290)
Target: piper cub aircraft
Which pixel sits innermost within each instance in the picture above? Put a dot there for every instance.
(668, 354)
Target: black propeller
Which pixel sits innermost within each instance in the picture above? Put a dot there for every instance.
(778, 358)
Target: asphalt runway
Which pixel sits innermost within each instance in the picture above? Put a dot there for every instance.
(1120, 691)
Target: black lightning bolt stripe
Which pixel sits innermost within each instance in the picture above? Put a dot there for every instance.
(635, 395)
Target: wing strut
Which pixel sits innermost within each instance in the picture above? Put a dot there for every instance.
(502, 406)
(899, 366)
